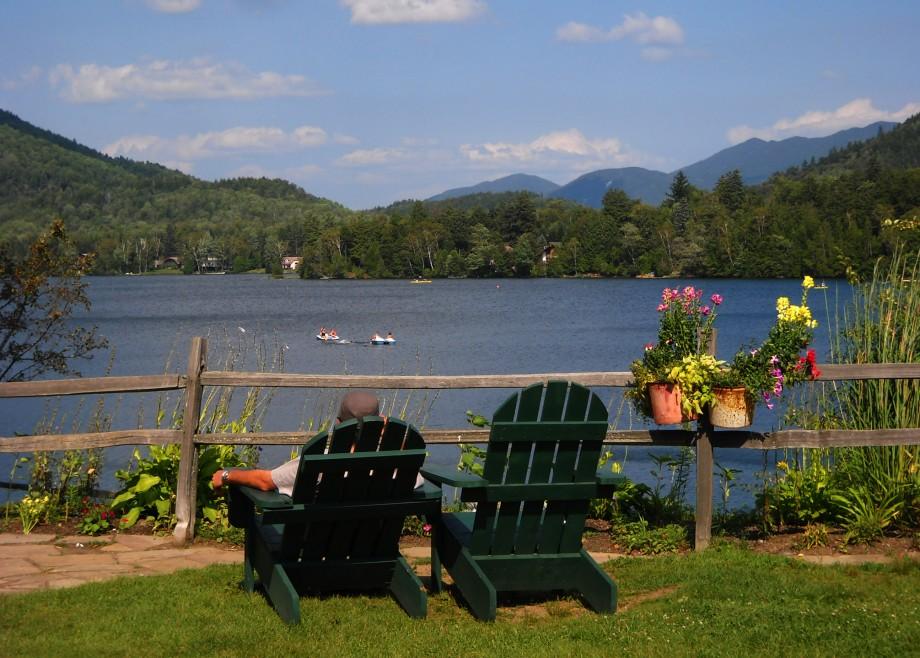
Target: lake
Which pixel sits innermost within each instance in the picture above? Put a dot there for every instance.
(447, 327)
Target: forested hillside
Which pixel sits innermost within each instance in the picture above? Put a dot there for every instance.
(899, 147)
(820, 221)
(132, 213)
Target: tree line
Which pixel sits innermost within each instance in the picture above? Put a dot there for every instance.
(819, 219)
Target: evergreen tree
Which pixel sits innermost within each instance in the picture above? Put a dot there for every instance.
(680, 189)
(730, 190)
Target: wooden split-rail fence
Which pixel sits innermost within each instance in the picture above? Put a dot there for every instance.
(197, 376)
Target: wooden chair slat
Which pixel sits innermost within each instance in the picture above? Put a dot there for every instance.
(554, 399)
(525, 535)
(342, 525)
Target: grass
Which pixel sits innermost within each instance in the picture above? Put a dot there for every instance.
(725, 601)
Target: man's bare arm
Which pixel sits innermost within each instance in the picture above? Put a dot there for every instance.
(257, 478)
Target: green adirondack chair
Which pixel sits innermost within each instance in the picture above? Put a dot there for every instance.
(540, 471)
(340, 528)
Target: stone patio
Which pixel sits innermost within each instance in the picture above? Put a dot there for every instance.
(29, 562)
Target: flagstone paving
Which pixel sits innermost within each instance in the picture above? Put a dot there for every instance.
(42, 561)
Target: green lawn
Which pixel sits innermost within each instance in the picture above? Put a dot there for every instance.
(726, 601)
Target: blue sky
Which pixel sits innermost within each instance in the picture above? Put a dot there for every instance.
(371, 101)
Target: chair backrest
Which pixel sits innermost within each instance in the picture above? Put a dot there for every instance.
(541, 462)
(369, 460)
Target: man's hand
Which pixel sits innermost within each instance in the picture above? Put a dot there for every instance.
(257, 478)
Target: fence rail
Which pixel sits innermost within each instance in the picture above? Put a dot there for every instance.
(197, 377)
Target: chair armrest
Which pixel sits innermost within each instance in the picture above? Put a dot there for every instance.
(607, 479)
(608, 482)
(443, 474)
(265, 499)
(428, 491)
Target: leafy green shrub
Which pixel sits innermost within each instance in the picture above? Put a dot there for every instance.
(96, 518)
(150, 488)
(798, 496)
(815, 535)
(31, 509)
(866, 516)
(414, 525)
(637, 536)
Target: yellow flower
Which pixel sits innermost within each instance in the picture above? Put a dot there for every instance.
(808, 283)
(782, 303)
(782, 465)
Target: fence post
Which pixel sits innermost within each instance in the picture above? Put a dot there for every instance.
(186, 486)
(704, 464)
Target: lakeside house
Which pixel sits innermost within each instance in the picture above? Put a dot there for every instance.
(291, 263)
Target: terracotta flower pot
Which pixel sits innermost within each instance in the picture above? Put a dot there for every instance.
(732, 407)
(665, 403)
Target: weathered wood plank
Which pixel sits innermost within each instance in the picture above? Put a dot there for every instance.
(84, 386)
(817, 438)
(142, 383)
(226, 378)
(673, 438)
(869, 371)
(704, 467)
(42, 442)
(186, 486)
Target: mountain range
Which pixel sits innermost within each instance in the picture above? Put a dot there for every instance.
(755, 158)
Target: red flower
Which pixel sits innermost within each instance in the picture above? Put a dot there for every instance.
(812, 364)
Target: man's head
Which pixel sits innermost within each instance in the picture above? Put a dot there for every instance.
(358, 404)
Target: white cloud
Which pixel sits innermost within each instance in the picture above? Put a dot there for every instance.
(566, 148)
(240, 139)
(174, 6)
(377, 12)
(348, 140)
(657, 34)
(310, 136)
(371, 157)
(184, 167)
(859, 112)
(636, 27)
(168, 80)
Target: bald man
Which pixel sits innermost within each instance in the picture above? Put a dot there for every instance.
(355, 404)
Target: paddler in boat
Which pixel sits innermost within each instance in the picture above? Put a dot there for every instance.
(375, 337)
(390, 335)
(333, 335)
(322, 333)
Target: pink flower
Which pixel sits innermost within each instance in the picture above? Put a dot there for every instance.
(662, 307)
(705, 310)
(649, 346)
(426, 528)
(766, 400)
(716, 299)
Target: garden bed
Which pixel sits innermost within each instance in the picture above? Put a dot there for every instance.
(597, 538)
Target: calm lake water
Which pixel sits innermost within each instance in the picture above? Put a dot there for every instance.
(446, 327)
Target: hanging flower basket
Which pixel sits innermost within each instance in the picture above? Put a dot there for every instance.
(732, 407)
(665, 402)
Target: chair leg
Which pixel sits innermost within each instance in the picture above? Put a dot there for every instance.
(284, 596)
(596, 587)
(475, 586)
(249, 580)
(436, 585)
(406, 588)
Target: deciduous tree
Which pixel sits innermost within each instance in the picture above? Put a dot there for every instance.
(38, 296)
